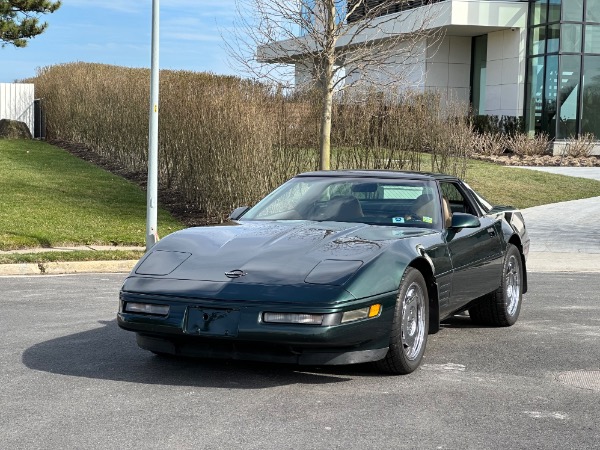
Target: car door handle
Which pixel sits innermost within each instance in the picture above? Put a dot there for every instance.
(491, 232)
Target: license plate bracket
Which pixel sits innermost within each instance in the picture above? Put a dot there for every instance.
(212, 322)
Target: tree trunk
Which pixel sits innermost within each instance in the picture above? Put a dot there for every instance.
(325, 141)
(327, 85)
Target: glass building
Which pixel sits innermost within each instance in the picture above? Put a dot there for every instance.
(563, 68)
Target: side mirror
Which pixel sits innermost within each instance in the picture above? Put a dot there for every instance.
(462, 220)
(238, 212)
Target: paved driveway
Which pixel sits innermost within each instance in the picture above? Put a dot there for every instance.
(565, 236)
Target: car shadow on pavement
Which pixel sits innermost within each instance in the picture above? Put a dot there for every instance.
(110, 353)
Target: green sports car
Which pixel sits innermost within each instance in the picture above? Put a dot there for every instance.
(335, 267)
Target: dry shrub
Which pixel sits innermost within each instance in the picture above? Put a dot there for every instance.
(489, 144)
(522, 144)
(450, 138)
(225, 141)
(581, 146)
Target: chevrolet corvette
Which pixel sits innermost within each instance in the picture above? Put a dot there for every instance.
(332, 267)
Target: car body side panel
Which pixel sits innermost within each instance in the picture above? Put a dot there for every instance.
(477, 256)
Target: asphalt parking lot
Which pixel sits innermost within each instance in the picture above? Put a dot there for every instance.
(71, 379)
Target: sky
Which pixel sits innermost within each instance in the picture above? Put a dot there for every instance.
(119, 32)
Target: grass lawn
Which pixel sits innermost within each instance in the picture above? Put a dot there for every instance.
(50, 198)
(525, 188)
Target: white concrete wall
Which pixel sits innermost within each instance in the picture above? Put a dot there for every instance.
(505, 84)
(16, 102)
(449, 68)
(404, 68)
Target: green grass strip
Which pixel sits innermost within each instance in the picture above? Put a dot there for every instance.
(49, 198)
(524, 188)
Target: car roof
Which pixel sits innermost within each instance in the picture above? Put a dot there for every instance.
(388, 174)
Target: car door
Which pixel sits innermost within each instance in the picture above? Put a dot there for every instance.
(476, 253)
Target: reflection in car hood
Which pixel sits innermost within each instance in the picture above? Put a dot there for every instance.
(273, 252)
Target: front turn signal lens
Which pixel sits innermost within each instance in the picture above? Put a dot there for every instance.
(362, 313)
(374, 310)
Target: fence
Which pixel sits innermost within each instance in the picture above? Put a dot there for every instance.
(17, 103)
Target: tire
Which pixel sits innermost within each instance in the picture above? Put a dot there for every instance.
(501, 308)
(408, 336)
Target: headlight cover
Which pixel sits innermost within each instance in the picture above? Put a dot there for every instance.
(333, 272)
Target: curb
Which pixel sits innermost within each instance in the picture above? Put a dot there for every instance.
(67, 267)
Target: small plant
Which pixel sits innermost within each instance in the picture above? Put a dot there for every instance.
(581, 146)
(522, 144)
(488, 144)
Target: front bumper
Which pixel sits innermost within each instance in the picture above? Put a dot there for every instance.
(247, 337)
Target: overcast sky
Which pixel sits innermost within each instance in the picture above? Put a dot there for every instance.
(118, 32)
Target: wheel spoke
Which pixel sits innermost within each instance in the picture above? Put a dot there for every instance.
(512, 285)
(413, 322)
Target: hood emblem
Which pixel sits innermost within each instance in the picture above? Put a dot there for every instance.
(235, 273)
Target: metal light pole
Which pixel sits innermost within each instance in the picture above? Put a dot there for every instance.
(152, 186)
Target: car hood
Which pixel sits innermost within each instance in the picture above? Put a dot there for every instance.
(271, 253)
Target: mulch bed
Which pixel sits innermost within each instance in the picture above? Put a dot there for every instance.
(546, 160)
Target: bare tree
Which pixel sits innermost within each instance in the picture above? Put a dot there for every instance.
(339, 43)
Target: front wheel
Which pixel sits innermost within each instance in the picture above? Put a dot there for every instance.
(408, 337)
(501, 308)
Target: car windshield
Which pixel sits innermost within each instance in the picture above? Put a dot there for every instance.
(396, 202)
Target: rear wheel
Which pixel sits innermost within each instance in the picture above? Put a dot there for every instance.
(408, 337)
(501, 308)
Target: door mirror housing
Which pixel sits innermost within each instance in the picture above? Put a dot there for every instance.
(238, 212)
(462, 220)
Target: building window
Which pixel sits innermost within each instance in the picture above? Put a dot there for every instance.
(568, 95)
(563, 70)
(591, 96)
(478, 74)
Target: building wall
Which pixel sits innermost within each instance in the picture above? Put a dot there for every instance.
(449, 68)
(16, 103)
(505, 84)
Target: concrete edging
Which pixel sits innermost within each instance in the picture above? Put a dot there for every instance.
(67, 267)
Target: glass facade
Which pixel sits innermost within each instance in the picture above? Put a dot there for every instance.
(563, 68)
(479, 74)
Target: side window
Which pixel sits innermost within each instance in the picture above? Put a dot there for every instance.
(458, 202)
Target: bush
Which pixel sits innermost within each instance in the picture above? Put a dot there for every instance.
(504, 125)
(524, 145)
(581, 146)
(226, 141)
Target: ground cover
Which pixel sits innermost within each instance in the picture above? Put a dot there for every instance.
(76, 255)
(524, 188)
(50, 198)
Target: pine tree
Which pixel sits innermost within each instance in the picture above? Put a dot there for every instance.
(19, 20)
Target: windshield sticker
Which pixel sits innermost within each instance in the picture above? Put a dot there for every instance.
(398, 220)
(427, 219)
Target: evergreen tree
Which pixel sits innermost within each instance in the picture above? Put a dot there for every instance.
(19, 20)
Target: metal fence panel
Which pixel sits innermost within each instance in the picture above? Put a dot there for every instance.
(17, 102)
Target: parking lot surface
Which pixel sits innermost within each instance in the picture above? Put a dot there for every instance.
(71, 379)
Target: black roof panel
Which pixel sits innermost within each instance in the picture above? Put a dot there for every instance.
(407, 175)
